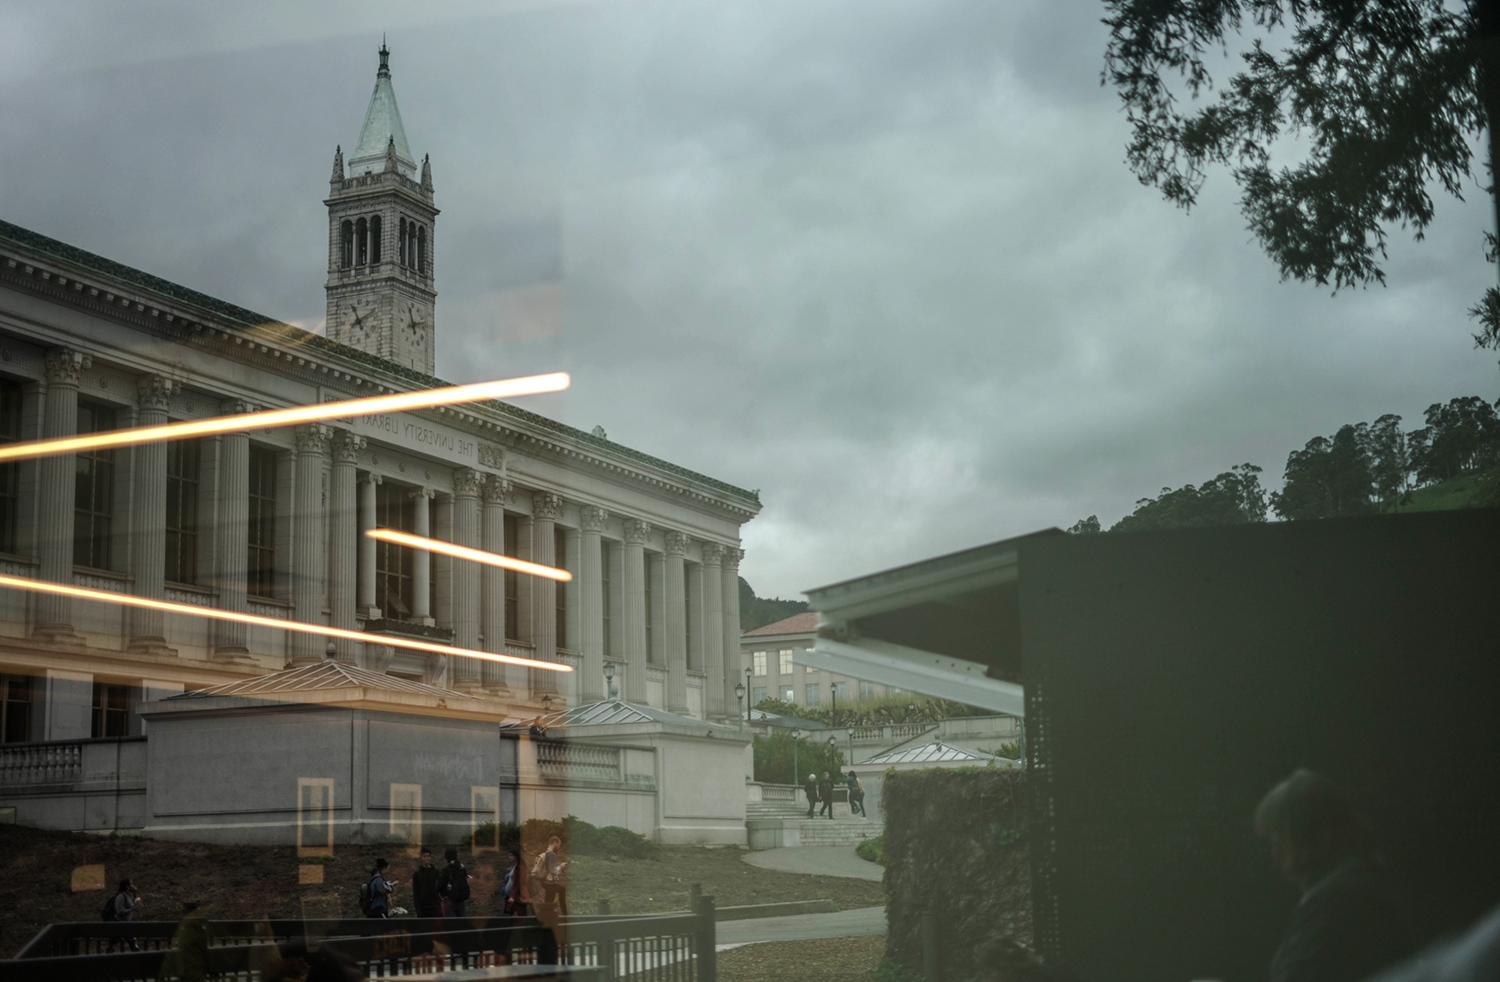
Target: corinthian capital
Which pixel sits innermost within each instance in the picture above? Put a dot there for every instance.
(154, 391)
(732, 557)
(236, 407)
(677, 542)
(591, 518)
(346, 446)
(312, 438)
(545, 504)
(497, 490)
(713, 554)
(636, 530)
(64, 366)
(467, 482)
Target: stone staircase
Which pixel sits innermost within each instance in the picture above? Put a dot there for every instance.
(773, 824)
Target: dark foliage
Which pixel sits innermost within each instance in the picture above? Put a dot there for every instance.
(885, 711)
(759, 611)
(773, 758)
(579, 837)
(1328, 477)
(1459, 438)
(1387, 100)
(955, 845)
(1232, 498)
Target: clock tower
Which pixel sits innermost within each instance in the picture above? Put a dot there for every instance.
(381, 240)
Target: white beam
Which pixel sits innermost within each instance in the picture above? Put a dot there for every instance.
(919, 671)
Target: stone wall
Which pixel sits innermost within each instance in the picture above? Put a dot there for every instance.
(956, 848)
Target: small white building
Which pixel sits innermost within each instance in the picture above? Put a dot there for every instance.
(915, 757)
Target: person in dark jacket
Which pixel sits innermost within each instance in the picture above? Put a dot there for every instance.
(424, 887)
(1347, 924)
(127, 901)
(825, 795)
(811, 787)
(453, 885)
(856, 795)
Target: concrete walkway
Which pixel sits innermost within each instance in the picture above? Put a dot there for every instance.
(842, 924)
(819, 860)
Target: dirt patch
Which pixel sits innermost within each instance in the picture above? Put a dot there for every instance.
(247, 882)
(823, 960)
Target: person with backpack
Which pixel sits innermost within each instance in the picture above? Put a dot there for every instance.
(453, 885)
(811, 787)
(424, 887)
(375, 895)
(555, 880)
(122, 907)
(856, 795)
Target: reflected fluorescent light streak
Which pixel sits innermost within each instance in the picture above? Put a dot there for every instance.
(464, 552)
(272, 418)
(128, 600)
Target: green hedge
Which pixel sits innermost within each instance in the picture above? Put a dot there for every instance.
(579, 838)
(872, 850)
(955, 846)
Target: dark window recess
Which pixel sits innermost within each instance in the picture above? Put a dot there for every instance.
(650, 608)
(346, 245)
(261, 578)
(93, 496)
(361, 242)
(512, 581)
(111, 710)
(375, 240)
(10, 431)
(560, 560)
(609, 645)
(182, 511)
(393, 510)
(15, 710)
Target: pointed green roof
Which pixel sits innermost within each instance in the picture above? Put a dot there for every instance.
(382, 127)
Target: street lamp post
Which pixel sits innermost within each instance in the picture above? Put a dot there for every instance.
(796, 771)
(609, 680)
(739, 698)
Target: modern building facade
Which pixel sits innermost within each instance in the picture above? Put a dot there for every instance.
(271, 522)
(778, 669)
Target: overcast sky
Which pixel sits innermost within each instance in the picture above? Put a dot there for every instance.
(880, 260)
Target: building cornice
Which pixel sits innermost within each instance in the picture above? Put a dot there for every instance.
(141, 300)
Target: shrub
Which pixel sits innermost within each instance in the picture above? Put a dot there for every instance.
(883, 711)
(872, 850)
(955, 845)
(579, 838)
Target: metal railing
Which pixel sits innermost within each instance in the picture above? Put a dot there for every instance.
(675, 947)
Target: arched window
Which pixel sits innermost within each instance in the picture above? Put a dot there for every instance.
(401, 242)
(411, 245)
(422, 250)
(375, 239)
(346, 253)
(361, 242)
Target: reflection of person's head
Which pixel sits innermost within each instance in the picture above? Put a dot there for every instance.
(126, 885)
(515, 854)
(1311, 826)
(451, 854)
(381, 864)
(554, 843)
(426, 856)
(825, 773)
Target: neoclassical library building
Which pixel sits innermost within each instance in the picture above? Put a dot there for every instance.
(271, 522)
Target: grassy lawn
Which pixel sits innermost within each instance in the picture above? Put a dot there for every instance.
(233, 882)
(824, 960)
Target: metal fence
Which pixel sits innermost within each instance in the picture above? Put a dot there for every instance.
(677, 947)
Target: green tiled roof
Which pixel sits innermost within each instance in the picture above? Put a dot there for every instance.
(225, 311)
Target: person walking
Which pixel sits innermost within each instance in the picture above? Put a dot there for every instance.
(811, 787)
(424, 887)
(825, 795)
(380, 890)
(122, 907)
(453, 885)
(517, 890)
(856, 795)
(555, 886)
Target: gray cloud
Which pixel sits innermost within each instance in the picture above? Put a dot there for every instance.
(880, 260)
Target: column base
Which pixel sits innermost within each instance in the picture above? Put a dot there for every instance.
(155, 647)
(368, 613)
(60, 634)
(234, 654)
(424, 621)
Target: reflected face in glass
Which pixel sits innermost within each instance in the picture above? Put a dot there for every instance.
(484, 881)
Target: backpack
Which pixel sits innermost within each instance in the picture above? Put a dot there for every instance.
(540, 872)
(367, 896)
(109, 912)
(457, 881)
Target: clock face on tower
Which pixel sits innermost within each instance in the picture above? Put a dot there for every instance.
(414, 323)
(354, 326)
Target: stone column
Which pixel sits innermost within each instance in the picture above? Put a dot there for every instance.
(695, 618)
(675, 624)
(54, 614)
(634, 614)
(231, 638)
(310, 544)
(421, 559)
(591, 602)
(343, 538)
(734, 671)
(148, 560)
(713, 631)
(492, 584)
(365, 591)
(545, 507)
(467, 486)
